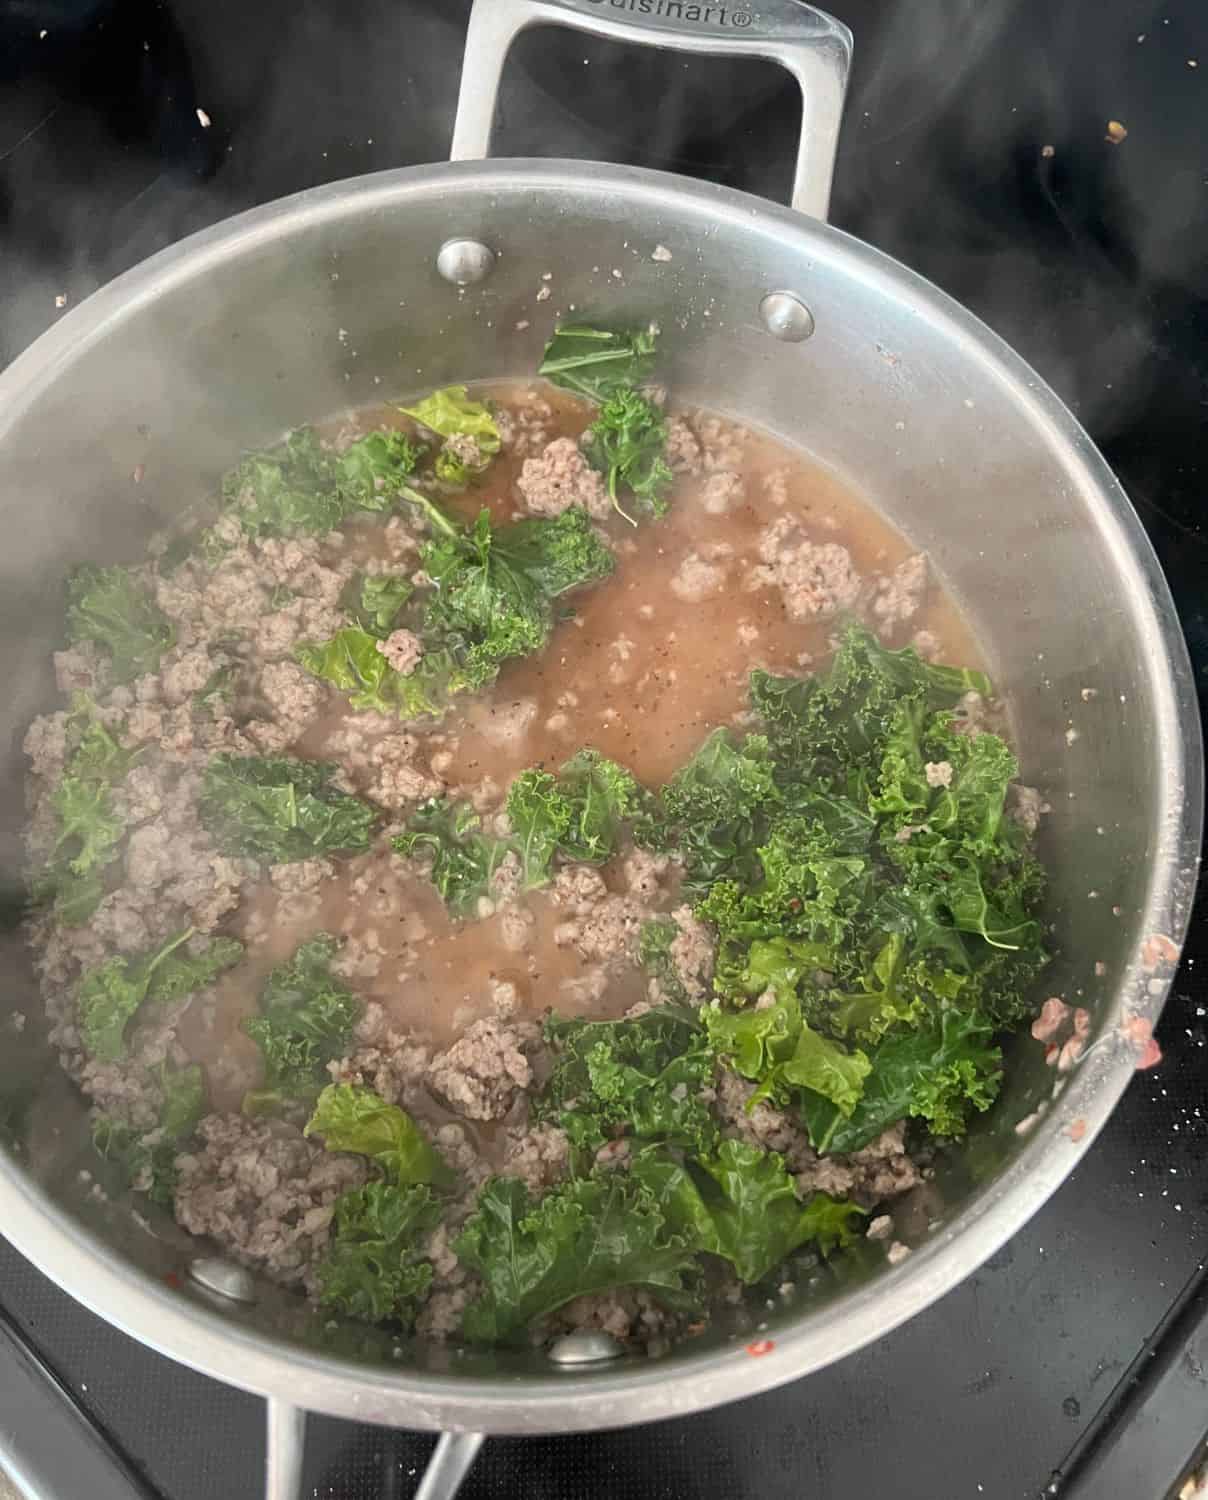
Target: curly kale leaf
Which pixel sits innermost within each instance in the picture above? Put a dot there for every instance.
(597, 362)
(540, 815)
(110, 607)
(940, 1072)
(718, 807)
(463, 857)
(306, 1020)
(373, 1269)
(375, 599)
(641, 1077)
(351, 661)
(833, 723)
(302, 487)
(741, 1205)
(278, 809)
(110, 994)
(775, 1048)
(483, 610)
(588, 1235)
(88, 829)
(556, 553)
(362, 1122)
(626, 443)
(370, 473)
(577, 814)
(451, 413)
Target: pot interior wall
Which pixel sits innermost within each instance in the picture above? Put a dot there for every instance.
(334, 301)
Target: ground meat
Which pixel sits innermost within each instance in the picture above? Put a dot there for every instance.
(560, 478)
(302, 876)
(682, 451)
(184, 673)
(481, 1073)
(899, 595)
(524, 425)
(629, 1315)
(390, 1062)
(643, 871)
(692, 953)
(721, 491)
(81, 670)
(609, 933)
(402, 649)
(1026, 805)
(263, 1192)
(579, 888)
(46, 744)
(538, 1156)
(294, 697)
(395, 779)
(817, 579)
(938, 773)
(464, 448)
(722, 443)
(881, 1170)
(697, 578)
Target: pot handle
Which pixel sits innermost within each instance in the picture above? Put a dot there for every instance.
(812, 46)
(452, 1458)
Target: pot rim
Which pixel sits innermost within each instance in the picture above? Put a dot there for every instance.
(187, 1330)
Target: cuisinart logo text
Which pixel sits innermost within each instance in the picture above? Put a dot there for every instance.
(682, 10)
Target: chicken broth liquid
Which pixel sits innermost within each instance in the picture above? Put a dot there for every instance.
(643, 666)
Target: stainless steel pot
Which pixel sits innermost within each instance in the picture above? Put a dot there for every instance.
(334, 297)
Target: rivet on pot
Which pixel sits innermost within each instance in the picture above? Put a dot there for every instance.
(464, 262)
(589, 1348)
(786, 317)
(233, 1282)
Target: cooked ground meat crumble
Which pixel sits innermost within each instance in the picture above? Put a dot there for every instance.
(757, 559)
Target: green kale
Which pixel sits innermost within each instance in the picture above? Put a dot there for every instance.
(277, 809)
(110, 994)
(451, 414)
(832, 724)
(352, 662)
(597, 363)
(110, 607)
(371, 471)
(718, 806)
(302, 487)
(741, 1205)
(372, 1270)
(602, 796)
(540, 816)
(360, 1121)
(641, 1077)
(557, 554)
(146, 1160)
(306, 1020)
(775, 1048)
(654, 955)
(483, 609)
(463, 857)
(626, 443)
(939, 1072)
(577, 814)
(88, 829)
(491, 599)
(588, 1235)
(375, 599)
(88, 833)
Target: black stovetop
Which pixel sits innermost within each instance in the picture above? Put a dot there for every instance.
(1073, 1363)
